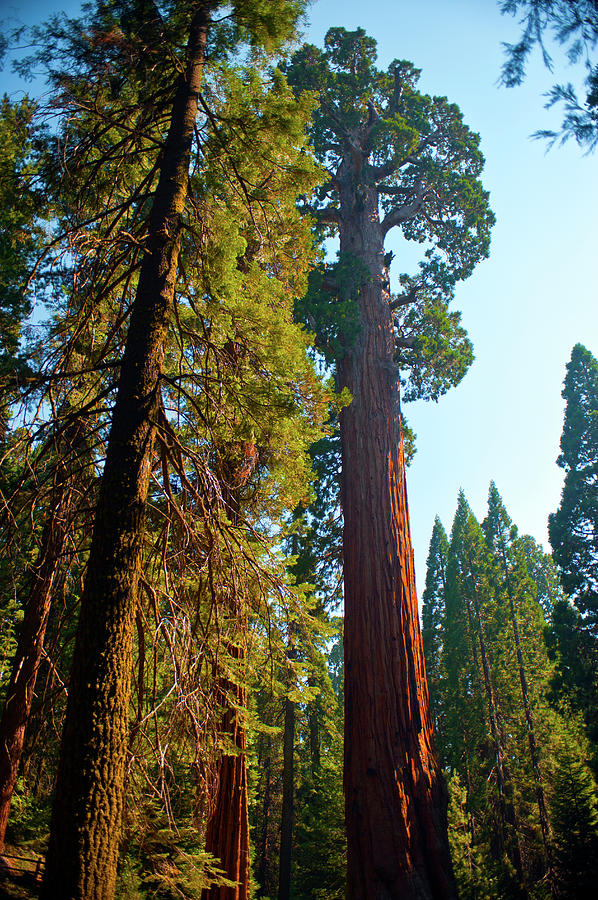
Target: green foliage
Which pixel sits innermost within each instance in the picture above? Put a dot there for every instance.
(574, 24)
(328, 307)
(574, 527)
(433, 616)
(424, 164)
(21, 207)
(435, 352)
(573, 530)
(483, 630)
(574, 818)
(319, 853)
(241, 400)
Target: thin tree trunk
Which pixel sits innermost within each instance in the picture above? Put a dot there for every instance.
(313, 718)
(509, 830)
(30, 644)
(263, 849)
(286, 827)
(88, 802)
(531, 733)
(395, 796)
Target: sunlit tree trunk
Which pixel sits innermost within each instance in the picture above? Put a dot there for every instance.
(227, 832)
(394, 792)
(88, 802)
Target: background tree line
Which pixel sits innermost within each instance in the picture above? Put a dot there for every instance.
(509, 636)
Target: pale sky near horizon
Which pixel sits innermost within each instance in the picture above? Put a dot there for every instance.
(529, 303)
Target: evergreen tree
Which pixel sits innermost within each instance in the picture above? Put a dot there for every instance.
(574, 817)
(137, 196)
(501, 537)
(574, 527)
(573, 531)
(433, 616)
(394, 157)
(499, 737)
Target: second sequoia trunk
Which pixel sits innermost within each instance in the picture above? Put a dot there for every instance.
(395, 795)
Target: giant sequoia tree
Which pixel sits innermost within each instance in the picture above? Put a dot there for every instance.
(395, 158)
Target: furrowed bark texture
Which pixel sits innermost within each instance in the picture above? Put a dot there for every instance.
(227, 832)
(30, 644)
(88, 802)
(394, 793)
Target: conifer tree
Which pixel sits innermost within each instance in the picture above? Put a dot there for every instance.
(131, 243)
(433, 615)
(394, 157)
(499, 737)
(573, 531)
(500, 537)
(471, 584)
(574, 816)
(574, 527)
(574, 24)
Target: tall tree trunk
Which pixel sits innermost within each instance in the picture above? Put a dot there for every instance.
(531, 732)
(508, 819)
(313, 719)
(88, 802)
(227, 833)
(286, 826)
(263, 846)
(30, 644)
(395, 797)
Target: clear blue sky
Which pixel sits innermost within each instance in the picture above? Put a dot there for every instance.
(529, 303)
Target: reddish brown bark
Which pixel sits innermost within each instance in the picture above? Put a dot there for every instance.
(394, 792)
(227, 835)
(27, 659)
(88, 802)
